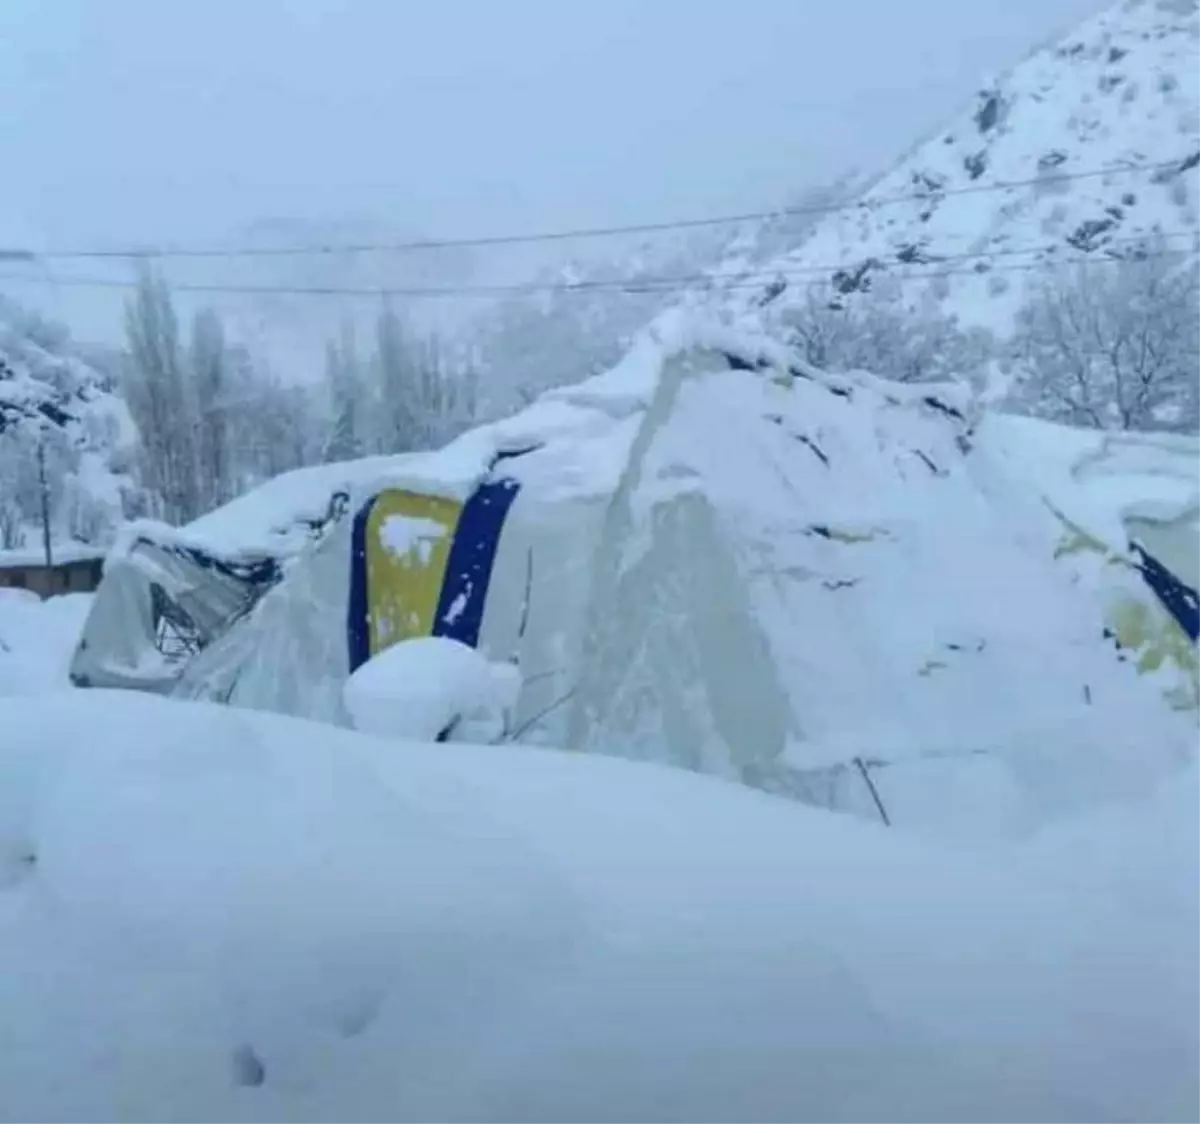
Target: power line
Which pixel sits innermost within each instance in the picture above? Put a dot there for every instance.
(1049, 249)
(595, 231)
(755, 281)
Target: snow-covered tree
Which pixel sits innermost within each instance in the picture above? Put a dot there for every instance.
(14, 515)
(446, 392)
(58, 411)
(423, 395)
(1113, 346)
(284, 434)
(394, 369)
(161, 399)
(212, 422)
(880, 332)
(209, 370)
(346, 434)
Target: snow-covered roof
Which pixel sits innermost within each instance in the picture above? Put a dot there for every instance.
(59, 552)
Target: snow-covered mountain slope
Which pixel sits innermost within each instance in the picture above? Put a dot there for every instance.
(51, 394)
(1119, 93)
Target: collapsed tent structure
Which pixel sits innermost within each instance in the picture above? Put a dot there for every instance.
(856, 592)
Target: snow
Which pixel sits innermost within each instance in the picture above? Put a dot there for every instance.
(37, 638)
(577, 422)
(270, 519)
(275, 518)
(219, 914)
(52, 395)
(831, 586)
(811, 571)
(1101, 479)
(420, 688)
(410, 534)
(60, 552)
(1117, 93)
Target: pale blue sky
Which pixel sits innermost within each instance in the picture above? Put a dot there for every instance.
(161, 120)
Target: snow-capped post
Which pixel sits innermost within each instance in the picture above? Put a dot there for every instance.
(44, 489)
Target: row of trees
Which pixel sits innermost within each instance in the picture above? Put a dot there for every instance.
(1114, 346)
(880, 332)
(212, 423)
(403, 392)
(1105, 344)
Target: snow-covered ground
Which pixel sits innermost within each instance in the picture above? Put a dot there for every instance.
(219, 914)
(37, 639)
(215, 913)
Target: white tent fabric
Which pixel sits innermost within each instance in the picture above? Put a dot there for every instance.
(122, 642)
(846, 589)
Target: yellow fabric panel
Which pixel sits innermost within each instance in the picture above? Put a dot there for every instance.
(406, 563)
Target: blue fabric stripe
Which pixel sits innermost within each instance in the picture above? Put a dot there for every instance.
(472, 556)
(1179, 599)
(358, 623)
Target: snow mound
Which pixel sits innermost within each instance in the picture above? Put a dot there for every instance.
(37, 639)
(423, 689)
(217, 914)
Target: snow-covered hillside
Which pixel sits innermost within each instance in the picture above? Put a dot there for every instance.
(1119, 94)
(50, 394)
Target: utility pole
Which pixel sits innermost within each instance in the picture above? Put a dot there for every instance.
(45, 497)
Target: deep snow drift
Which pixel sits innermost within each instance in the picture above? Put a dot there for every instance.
(211, 913)
(37, 638)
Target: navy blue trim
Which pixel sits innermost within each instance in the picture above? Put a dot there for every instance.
(259, 572)
(358, 621)
(1177, 597)
(512, 454)
(459, 613)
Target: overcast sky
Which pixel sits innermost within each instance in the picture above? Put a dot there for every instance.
(173, 120)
